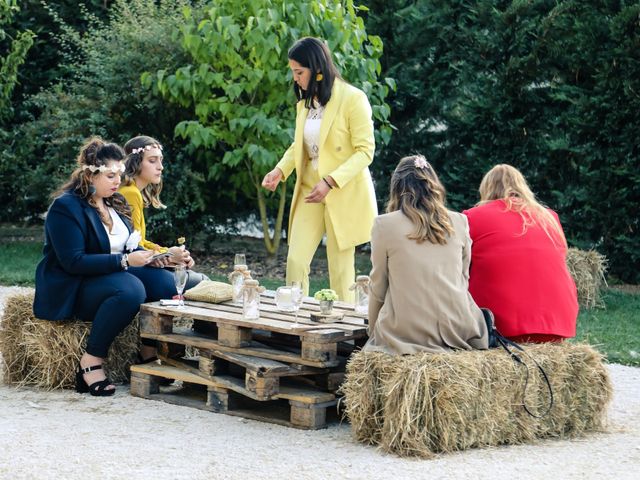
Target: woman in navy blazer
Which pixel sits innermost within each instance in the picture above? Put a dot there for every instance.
(86, 271)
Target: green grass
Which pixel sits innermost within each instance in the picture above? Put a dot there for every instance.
(18, 262)
(614, 330)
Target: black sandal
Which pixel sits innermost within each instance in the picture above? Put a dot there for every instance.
(97, 389)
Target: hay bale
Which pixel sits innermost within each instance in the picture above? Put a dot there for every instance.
(46, 354)
(587, 269)
(425, 404)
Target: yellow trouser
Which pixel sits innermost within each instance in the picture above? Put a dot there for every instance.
(310, 222)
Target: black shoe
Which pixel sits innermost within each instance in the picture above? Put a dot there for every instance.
(97, 389)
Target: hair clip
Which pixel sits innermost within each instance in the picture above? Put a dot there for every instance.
(420, 162)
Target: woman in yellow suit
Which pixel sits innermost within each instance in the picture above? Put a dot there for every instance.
(331, 153)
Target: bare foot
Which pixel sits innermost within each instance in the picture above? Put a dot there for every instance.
(88, 360)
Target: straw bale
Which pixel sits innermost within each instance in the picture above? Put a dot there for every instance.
(425, 404)
(587, 269)
(46, 354)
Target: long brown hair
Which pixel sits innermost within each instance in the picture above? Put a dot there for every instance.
(150, 193)
(94, 152)
(504, 182)
(416, 190)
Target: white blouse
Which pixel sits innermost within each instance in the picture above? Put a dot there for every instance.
(119, 233)
(312, 133)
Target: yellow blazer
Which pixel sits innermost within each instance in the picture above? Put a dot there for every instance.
(346, 149)
(135, 201)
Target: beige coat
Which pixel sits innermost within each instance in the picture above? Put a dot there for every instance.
(419, 299)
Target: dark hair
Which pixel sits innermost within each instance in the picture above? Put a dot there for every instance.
(94, 152)
(151, 193)
(312, 53)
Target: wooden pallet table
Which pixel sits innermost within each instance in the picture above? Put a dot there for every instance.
(276, 368)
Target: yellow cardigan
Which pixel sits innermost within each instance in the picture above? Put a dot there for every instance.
(134, 199)
(346, 150)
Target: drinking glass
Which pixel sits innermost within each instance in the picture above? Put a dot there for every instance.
(180, 278)
(239, 259)
(296, 296)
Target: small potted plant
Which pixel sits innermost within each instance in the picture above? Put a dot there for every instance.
(326, 297)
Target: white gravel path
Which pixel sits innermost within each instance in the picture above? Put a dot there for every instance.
(64, 435)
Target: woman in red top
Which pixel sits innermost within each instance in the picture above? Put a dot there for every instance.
(518, 268)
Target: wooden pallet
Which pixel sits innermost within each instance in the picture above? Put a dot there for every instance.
(294, 405)
(221, 327)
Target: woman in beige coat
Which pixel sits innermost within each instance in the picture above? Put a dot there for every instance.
(420, 255)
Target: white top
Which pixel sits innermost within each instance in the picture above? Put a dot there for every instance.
(312, 133)
(119, 233)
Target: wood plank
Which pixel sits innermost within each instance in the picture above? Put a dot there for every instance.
(264, 366)
(256, 349)
(297, 393)
(210, 313)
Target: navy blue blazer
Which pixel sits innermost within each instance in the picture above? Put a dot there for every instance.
(76, 246)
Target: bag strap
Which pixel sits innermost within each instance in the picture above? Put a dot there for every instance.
(505, 343)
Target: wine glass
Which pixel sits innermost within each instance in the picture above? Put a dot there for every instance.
(180, 275)
(239, 259)
(296, 296)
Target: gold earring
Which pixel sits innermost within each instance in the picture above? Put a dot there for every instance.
(319, 77)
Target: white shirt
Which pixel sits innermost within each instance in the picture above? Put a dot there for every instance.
(311, 134)
(119, 233)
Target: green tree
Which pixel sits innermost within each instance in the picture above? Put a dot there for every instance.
(16, 53)
(549, 86)
(239, 88)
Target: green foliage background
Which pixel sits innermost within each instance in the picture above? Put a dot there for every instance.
(551, 87)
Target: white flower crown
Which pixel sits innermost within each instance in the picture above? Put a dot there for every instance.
(103, 168)
(146, 147)
(420, 162)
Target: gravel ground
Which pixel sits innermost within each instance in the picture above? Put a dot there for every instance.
(62, 434)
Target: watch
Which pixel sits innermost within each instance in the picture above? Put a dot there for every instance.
(124, 263)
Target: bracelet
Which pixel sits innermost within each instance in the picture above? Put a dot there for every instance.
(327, 182)
(124, 263)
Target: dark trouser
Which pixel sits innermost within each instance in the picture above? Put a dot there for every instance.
(112, 301)
(193, 279)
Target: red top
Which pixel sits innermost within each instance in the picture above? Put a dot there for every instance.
(522, 279)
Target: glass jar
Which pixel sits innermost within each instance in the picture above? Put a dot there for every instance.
(362, 294)
(237, 278)
(284, 299)
(251, 300)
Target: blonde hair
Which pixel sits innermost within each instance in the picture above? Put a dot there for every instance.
(504, 182)
(416, 190)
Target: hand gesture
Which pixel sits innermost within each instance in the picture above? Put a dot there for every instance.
(139, 258)
(320, 190)
(272, 179)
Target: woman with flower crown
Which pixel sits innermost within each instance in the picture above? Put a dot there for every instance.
(92, 268)
(141, 188)
(419, 299)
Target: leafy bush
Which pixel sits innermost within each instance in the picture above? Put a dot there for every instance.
(238, 86)
(105, 97)
(551, 87)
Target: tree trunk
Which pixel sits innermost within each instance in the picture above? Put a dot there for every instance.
(272, 243)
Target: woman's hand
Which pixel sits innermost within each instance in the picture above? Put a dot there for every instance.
(180, 255)
(320, 190)
(272, 179)
(139, 258)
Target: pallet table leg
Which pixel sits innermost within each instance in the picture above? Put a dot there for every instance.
(263, 387)
(155, 323)
(323, 352)
(308, 415)
(143, 385)
(219, 399)
(233, 336)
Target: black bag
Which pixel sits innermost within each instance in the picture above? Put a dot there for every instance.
(496, 340)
